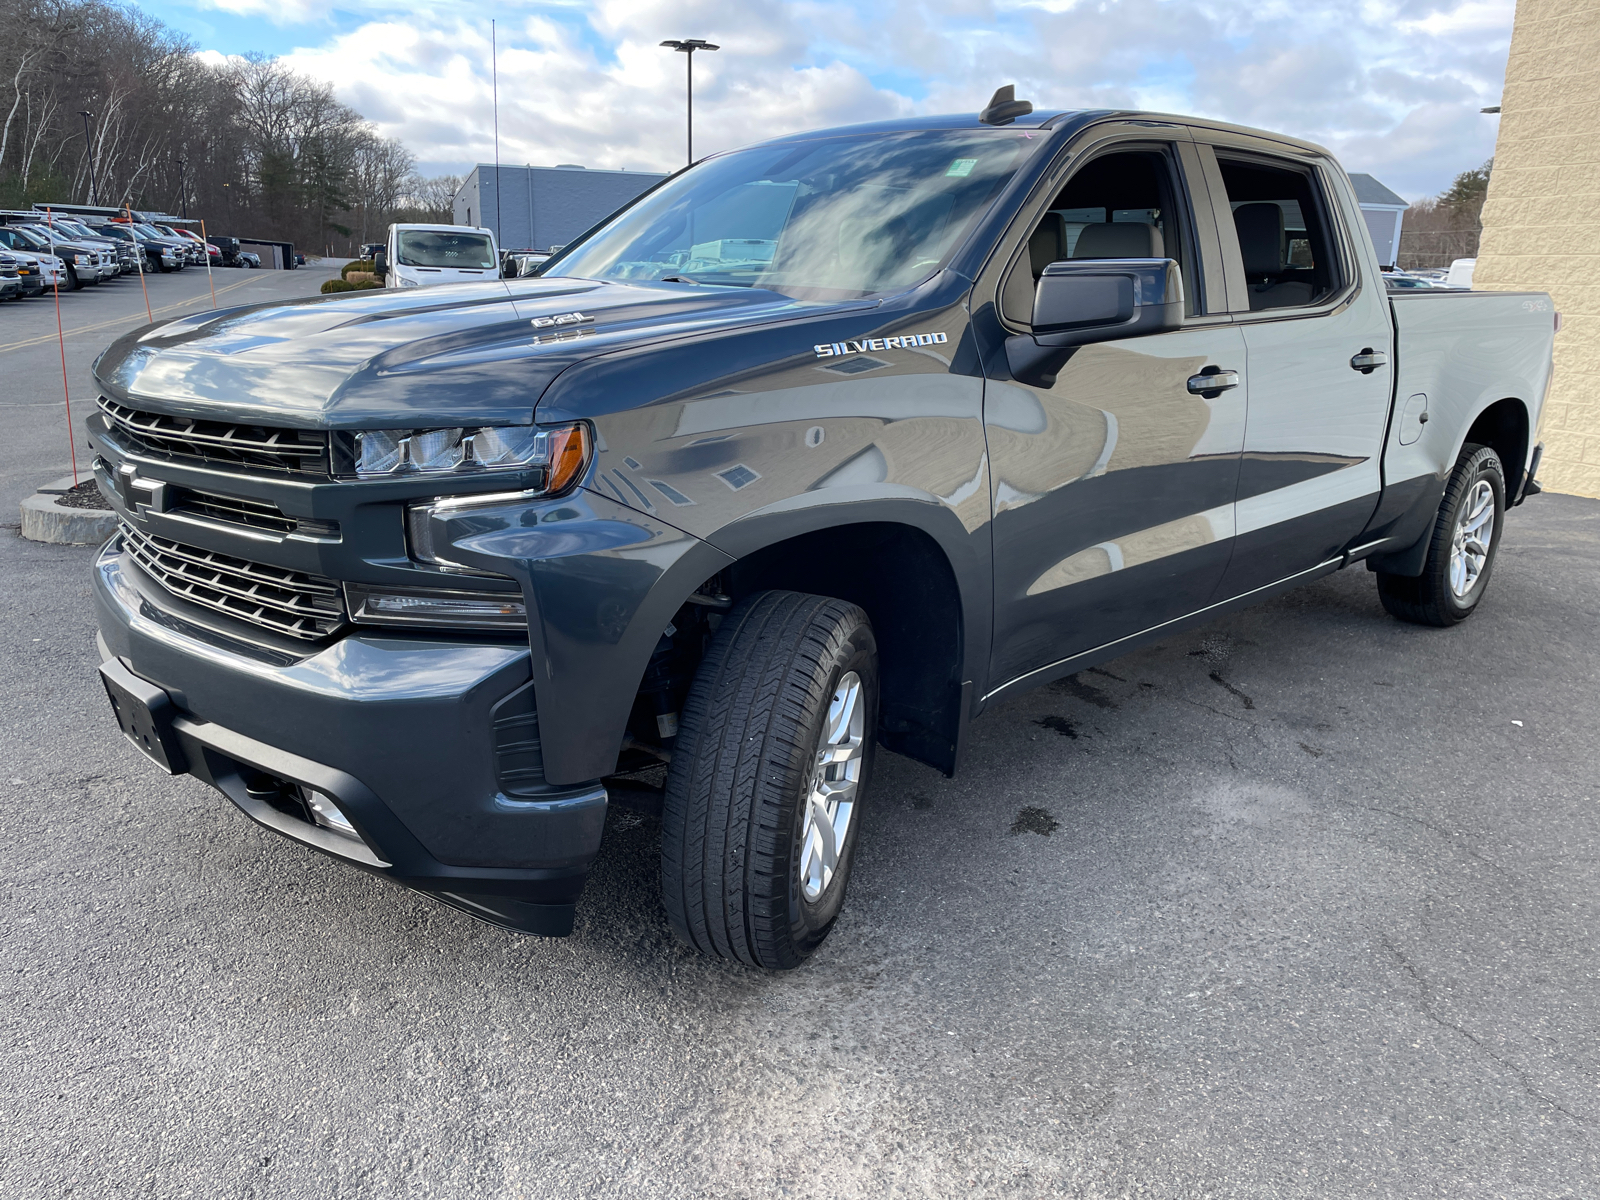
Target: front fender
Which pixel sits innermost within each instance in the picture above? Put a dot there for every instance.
(601, 581)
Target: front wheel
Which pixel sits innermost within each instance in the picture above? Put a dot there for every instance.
(72, 279)
(1461, 554)
(763, 798)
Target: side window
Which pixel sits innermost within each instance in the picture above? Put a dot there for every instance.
(1127, 204)
(1282, 228)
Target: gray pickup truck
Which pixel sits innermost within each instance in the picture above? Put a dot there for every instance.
(828, 443)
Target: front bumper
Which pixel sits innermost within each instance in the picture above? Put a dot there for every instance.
(404, 733)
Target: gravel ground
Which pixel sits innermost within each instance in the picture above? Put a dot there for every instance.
(1296, 905)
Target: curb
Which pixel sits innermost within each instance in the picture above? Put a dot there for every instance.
(43, 520)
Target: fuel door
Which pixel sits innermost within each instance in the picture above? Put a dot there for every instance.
(1413, 417)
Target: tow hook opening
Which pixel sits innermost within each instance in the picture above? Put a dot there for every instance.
(299, 801)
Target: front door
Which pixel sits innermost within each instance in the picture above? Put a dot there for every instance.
(1317, 347)
(1113, 487)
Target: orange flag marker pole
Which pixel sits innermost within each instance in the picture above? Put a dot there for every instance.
(207, 244)
(139, 258)
(61, 339)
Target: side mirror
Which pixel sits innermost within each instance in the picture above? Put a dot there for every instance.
(380, 262)
(1094, 300)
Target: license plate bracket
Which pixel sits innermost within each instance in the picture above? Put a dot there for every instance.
(145, 714)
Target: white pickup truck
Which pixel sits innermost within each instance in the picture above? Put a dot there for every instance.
(427, 255)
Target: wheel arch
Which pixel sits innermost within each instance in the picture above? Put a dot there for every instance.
(921, 599)
(1504, 427)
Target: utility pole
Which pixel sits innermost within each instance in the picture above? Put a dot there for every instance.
(88, 149)
(183, 192)
(687, 47)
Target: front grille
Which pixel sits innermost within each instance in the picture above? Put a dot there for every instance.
(234, 510)
(298, 451)
(285, 601)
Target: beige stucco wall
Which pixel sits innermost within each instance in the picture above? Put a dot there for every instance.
(1541, 222)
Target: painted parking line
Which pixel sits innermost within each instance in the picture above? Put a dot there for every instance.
(204, 297)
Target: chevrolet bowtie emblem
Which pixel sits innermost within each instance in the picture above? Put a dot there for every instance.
(571, 318)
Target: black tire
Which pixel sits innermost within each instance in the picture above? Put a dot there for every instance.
(73, 283)
(1431, 598)
(742, 768)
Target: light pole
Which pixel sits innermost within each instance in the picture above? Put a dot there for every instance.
(687, 47)
(88, 148)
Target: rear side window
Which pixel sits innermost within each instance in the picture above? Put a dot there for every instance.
(1281, 223)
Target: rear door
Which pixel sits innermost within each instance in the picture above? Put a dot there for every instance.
(1113, 487)
(1318, 341)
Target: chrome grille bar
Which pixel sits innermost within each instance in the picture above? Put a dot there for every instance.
(298, 450)
(276, 598)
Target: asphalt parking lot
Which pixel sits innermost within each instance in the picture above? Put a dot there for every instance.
(1300, 904)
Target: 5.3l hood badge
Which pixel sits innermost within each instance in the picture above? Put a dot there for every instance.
(908, 341)
(571, 318)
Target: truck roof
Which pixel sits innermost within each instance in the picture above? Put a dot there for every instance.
(1047, 119)
(445, 228)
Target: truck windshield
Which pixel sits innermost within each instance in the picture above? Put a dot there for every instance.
(835, 216)
(435, 248)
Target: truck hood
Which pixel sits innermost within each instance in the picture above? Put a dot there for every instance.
(469, 353)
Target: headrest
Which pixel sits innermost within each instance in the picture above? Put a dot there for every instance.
(1119, 239)
(1048, 243)
(1260, 229)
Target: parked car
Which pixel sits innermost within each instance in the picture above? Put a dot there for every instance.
(1401, 281)
(122, 252)
(83, 262)
(831, 442)
(1460, 274)
(38, 272)
(248, 258)
(188, 250)
(519, 264)
(429, 255)
(160, 254)
(91, 255)
(368, 249)
(10, 277)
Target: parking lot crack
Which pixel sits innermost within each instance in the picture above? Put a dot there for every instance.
(1426, 1004)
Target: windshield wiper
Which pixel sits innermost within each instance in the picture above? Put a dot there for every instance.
(678, 279)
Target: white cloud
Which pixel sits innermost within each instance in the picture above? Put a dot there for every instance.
(1394, 86)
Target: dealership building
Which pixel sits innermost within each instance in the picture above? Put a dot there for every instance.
(535, 208)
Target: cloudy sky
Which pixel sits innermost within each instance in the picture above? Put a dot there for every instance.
(1393, 86)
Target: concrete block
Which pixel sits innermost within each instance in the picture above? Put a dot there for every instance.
(43, 520)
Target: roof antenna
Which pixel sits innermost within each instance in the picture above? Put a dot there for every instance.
(1004, 107)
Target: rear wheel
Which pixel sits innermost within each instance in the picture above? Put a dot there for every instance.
(763, 798)
(1461, 553)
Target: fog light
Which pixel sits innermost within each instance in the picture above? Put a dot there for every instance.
(326, 814)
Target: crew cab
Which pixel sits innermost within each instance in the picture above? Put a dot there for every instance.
(428, 255)
(834, 442)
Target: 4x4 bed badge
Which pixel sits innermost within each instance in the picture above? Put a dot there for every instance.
(907, 341)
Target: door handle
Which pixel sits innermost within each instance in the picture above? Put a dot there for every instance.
(1369, 360)
(1212, 382)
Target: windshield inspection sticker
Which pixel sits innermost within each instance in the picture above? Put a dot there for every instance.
(961, 167)
(909, 341)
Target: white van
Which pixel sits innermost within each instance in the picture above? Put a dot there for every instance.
(425, 255)
(1460, 275)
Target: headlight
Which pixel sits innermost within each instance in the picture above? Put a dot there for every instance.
(83, 260)
(409, 283)
(559, 452)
